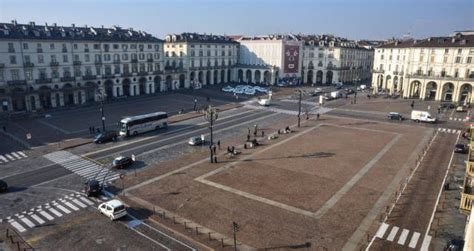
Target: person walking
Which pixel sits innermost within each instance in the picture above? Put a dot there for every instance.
(195, 103)
(4, 128)
(219, 144)
(317, 116)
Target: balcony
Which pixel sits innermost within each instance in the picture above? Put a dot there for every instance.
(377, 71)
(143, 73)
(76, 62)
(39, 50)
(157, 72)
(108, 76)
(54, 64)
(89, 77)
(11, 50)
(64, 50)
(466, 201)
(134, 60)
(98, 62)
(86, 50)
(16, 82)
(438, 77)
(117, 61)
(44, 81)
(150, 60)
(28, 64)
(126, 74)
(67, 79)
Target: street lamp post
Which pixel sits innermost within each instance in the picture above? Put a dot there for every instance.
(211, 116)
(102, 96)
(299, 106)
(235, 229)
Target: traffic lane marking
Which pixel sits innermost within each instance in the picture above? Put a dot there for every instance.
(403, 237)
(381, 231)
(414, 240)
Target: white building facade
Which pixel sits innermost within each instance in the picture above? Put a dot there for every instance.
(44, 67)
(193, 59)
(437, 68)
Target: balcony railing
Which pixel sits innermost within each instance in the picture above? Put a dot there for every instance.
(76, 62)
(143, 73)
(157, 72)
(108, 76)
(39, 50)
(134, 60)
(54, 64)
(466, 202)
(89, 77)
(377, 71)
(29, 64)
(126, 74)
(98, 62)
(116, 61)
(150, 60)
(67, 79)
(16, 82)
(44, 81)
(416, 75)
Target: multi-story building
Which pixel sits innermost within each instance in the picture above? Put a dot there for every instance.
(436, 68)
(46, 66)
(269, 59)
(328, 59)
(198, 59)
(309, 59)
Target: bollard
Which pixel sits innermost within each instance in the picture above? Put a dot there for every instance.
(174, 222)
(368, 237)
(197, 231)
(210, 236)
(222, 241)
(154, 211)
(185, 227)
(164, 215)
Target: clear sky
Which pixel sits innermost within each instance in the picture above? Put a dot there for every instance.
(355, 19)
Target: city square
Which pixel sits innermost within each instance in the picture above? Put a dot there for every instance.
(124, 138)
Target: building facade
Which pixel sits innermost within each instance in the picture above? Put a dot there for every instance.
(328, 59)
(44, 66)
(193, 59)
(436, 68)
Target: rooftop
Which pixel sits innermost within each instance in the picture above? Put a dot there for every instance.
(198, 38)
(14, 30)
(456, 40)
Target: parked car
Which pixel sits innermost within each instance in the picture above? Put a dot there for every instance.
(461, 148)
(3, 186)
(448, 105)
(92, 188)
(104, 137)
(461, 108)
(114, 209)
(228, 89)
(395, 116)
(195, 141)
(122, 162)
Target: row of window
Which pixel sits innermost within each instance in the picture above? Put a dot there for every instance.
(200, 63)
(192, 46)
(87, 57)
(124, 47)
(446, 51)
(86, 71)
(457, 60)
(193, 53)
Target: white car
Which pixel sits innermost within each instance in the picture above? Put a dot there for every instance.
(249, 91)
(228, 89)
(114, 209)
(194, 141)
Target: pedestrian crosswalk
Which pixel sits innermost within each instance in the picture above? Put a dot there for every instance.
(82, 167)
(8, 157)
(459, 119)
(401, 236)
(448, 130)
(47, 212)
(313, 111)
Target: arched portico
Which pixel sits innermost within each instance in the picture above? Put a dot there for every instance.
(248, 76)
(319, 77)
(329, 76)
(309, 77)
(465, 93)
(126, 87)
(430, 90)
(415, 88)
(447, 92)
(257, 77)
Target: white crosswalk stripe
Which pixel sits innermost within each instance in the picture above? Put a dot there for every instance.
(82, 167)
(48, 211)
(449, 130)
(403, 237)
(7, 157)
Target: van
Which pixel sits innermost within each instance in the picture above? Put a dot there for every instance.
(114, 209)
(422, 116)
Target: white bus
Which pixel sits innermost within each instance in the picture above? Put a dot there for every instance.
(143, 123)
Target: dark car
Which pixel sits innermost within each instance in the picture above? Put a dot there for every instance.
(395, 116)
(93, 188)
(455, 245)
(104, 137)
(448, 105)
(3, 186)
(122, 162)
(461, 148)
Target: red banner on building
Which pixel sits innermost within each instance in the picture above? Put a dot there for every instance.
(292, 58)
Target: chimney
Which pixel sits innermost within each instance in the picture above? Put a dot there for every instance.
(14, 22)
(73, 25)
(453, 40)
(46, 24)
(32, 24)
(55, 25)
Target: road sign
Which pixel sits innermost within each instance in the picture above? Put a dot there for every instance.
(28, 136)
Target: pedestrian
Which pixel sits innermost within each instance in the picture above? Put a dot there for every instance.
(233, 149)
(229, 150)
(214, 149)
(98, 130)
(439, 110)
(4, 128)
(215, 159)
(255, 133)
(263, 134)
(219, 144)
(195, 103)
(248, 137)
(93, 129)
(307, 115)
(248, 129)
(208, 99)
(317, 116)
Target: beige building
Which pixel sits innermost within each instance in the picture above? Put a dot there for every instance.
(328, 59)
(192, 59)
(47, 66)
(436, 68)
